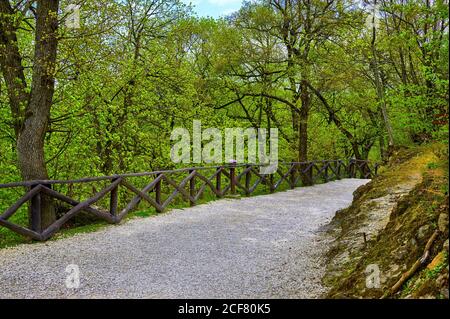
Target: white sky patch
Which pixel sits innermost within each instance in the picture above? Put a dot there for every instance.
(194, 2)
(223, 3)
(228, 11)
(214, 8)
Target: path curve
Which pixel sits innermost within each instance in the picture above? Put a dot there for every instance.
(266, 246)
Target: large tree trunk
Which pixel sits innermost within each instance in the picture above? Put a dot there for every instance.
(379, 86)
(31, 111)
(30, 142)
(11, 64)
(303, 135)
(295, 136)
(303, 131)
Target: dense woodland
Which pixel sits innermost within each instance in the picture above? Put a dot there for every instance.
(338, 78)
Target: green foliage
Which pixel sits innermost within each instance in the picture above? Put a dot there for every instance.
(432, 165)
(433, 273)
(132, 73)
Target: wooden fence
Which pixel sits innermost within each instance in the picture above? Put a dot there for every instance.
(224, 180)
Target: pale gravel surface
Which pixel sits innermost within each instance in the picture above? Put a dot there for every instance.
(265, 246)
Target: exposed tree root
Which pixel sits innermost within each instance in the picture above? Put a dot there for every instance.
(421, 261)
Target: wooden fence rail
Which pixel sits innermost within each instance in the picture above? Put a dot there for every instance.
(222, 180)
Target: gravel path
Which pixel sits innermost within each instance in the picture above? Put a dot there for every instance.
(258, 247)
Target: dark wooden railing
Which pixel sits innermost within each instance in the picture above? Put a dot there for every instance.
(189, 183)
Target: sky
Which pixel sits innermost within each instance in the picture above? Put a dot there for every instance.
(214, 8)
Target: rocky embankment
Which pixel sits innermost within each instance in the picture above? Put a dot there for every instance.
(392, 242)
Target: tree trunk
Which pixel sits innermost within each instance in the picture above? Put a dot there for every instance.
(303, 135)
(303, 130)
(11, 65)
(296, 131)
(30, 142)
(355, 148)
(379, 85)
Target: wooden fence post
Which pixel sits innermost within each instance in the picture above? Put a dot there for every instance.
(327, 179)
(36, 205)
(351, 169)
(302, 172)
(338, 169)
(247, 180)
(293, 167)
(369, 171)
(114, 200)
(272, 189)
(192, 188)
(233, 178)
(158, 193)
(365, 170)
(306, 173)
(219, 180)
